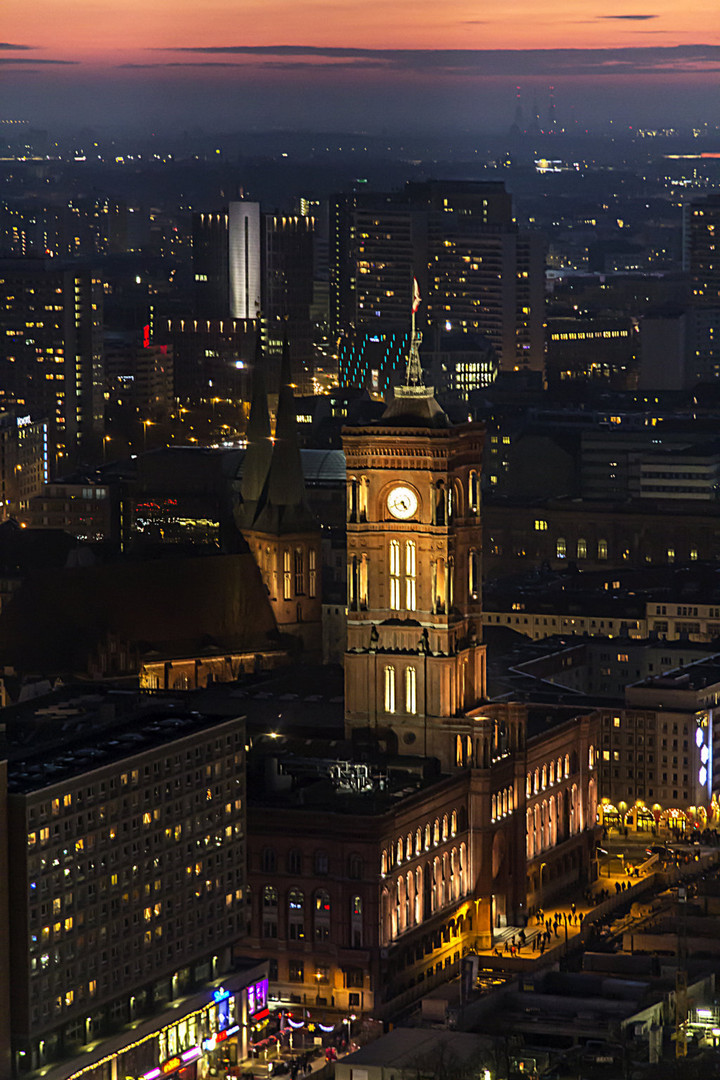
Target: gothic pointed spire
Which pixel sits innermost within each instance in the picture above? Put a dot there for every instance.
(286, 486)
(259, 444)
(282, 507)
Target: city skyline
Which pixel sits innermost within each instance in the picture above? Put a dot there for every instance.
(316, 65)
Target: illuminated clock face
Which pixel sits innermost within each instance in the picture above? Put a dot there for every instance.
(402, 502)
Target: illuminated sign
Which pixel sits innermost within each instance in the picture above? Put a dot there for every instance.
(221, 995)
(171, 1065)
(257, 996)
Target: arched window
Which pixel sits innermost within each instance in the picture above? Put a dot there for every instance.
(312, 572)
(321, 863)
(384, 863)
(363, 590)
(459, 756)
(410, 574)
(463, 869)
(567, 766)
(473, 492)
(418, 841)
(511, 800)
(364, 488)
(322, 915)
(536, 784)
(355, 868)
(528, 785)
(270, 912)
(411, 690)
(299, 571)
(268, 860)
(439, 586)
(561, 548)
(399, 856)
(591, 757)
(427, 837)
(559, 770)
(504, 803)
(294, 861)
(389, 688)
(473, 574)
(296, 915)
(418, 896)
(270, 897)
(552, 772)
(395, 575)
(352, 582)
(436, 832)
(493, 808)
(453, 823)
(356, 923)
(450, 582)
(582, 548)
(287, 574)
(352, 499)
(445, 828)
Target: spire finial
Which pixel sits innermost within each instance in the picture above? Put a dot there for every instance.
(413, 372)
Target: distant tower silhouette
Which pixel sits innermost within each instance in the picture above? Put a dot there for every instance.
(517, 126)
(535, 122)
(552, 118)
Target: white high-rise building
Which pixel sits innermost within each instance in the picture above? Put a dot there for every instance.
(244, 259)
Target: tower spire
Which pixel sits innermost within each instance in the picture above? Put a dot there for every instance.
(413, 372)
(259, 448)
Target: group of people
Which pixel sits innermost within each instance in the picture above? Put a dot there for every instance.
(550, 924)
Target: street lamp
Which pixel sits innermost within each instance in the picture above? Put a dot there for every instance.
(146, 424)
(349, 1021)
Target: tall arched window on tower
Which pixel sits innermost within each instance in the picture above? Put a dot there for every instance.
(473, 574)
(363, 583)
(287, 574)
(352, 582)
(473, 492)
(352, 499)
(410, 690)
(439, 586)
(395, 575)
(410, 572)
(389, 689)
(440, 502)
(364, 486)
(450, 582)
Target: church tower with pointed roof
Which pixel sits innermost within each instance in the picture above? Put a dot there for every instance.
(274, 516)
(415, 662)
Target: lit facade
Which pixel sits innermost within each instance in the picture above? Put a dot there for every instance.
(127, 849)
(244, 260)
(52, 364)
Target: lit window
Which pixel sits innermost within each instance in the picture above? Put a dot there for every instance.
(390, 689)
(395, 575)
(410, 690)
(410, 575)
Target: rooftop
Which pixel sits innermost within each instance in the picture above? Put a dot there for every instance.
(71, 731)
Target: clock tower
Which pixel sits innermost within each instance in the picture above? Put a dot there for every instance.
(415, 662)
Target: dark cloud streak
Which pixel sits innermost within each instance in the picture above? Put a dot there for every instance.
(640, 60)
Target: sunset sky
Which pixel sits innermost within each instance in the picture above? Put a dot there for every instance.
(329, 63)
